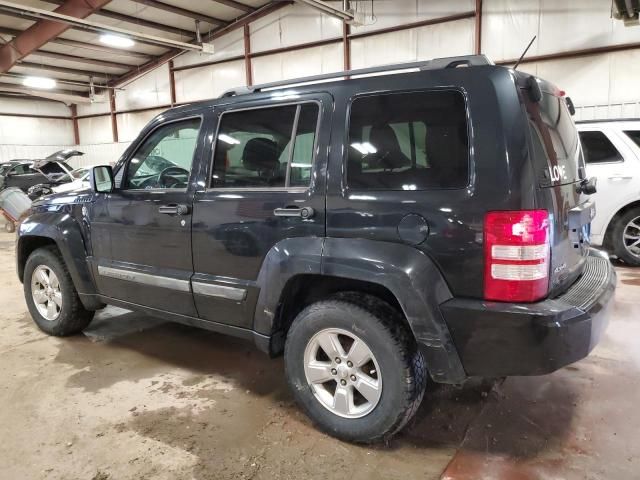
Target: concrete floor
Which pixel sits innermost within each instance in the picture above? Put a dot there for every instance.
(137, 398)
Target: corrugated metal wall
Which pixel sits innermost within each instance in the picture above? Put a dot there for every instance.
(594, 82)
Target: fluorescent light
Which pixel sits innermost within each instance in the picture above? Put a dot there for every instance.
(39, 82)
(116, 41)
(228, 139)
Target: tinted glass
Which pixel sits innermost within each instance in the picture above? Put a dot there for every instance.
(597, 148)
(408, 141)
(634, 135)
(254, 146)
(22, 169)
(164, 159)
(304, 146)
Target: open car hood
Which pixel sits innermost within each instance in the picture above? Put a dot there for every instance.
(61, 156)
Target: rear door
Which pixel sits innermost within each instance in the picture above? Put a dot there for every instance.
(265, 183)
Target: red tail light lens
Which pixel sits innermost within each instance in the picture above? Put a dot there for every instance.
(517, 246)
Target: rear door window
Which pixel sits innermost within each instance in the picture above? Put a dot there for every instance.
(634, 135)
(254, 147)
(597, 148)
(408, 141)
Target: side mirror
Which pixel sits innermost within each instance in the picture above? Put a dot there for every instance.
(101, 179)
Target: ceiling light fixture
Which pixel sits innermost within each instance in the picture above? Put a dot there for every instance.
(117, 41)
(39, 82)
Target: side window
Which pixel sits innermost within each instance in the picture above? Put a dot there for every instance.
(254, 147)
(22, 169)
(408, 141)
(597, 148)
(164, 159)
(634, 135)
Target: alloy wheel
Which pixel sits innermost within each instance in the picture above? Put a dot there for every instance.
(343, 373)
(46, 293)
(631, 237)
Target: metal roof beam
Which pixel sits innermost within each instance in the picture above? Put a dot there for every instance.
(79, 59)
(237, 5)
(103, 12)
(84, 45)
(64, 70)
(213, 34)
(183, 12)
(55, 16)
(44, 30)
(60, 95)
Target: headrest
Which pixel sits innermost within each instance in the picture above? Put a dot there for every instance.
(260, 154)
(389, 154)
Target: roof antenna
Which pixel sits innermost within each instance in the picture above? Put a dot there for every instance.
(525, 52)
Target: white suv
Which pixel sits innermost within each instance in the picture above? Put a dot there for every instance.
(612, 153)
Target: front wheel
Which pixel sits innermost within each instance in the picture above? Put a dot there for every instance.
(51, 296)
(626, 237)
(354, 367)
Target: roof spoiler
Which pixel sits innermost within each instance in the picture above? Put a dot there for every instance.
(435, 64)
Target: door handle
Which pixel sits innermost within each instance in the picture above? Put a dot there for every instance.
(302, 212)
(174, 209)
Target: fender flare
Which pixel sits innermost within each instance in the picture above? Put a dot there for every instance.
(409, 274)
(67, 235)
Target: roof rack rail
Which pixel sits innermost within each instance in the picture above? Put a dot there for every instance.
(435, 64)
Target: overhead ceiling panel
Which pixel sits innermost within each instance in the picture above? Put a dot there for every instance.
(94, 54)
(19, 68)
(81, 50)
(44, 60)
(14, 22)
(167, 19)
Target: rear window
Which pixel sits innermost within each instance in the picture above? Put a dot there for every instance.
(408, 141)
(634, 135)
(555, 140)
(597, 148)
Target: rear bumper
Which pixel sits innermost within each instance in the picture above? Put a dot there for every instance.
(501, 339)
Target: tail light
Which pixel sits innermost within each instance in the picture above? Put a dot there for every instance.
(517, 246)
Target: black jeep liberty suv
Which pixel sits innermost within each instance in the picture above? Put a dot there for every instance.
(379, 227)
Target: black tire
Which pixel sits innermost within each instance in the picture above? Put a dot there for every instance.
(617, 240)
(401, 365)
(73, 317)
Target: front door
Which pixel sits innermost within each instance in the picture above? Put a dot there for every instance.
(141, 233)
(266, 183)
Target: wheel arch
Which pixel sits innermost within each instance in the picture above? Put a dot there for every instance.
(303, 269)
(63, 232)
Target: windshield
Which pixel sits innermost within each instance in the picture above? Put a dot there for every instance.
(77, 174)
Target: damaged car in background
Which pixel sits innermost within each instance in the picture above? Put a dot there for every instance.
(25, 174)
(76, 180)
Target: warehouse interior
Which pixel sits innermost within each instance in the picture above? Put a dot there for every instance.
(582, 49)
(135, 396)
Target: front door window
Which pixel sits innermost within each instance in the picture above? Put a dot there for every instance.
(164, 159)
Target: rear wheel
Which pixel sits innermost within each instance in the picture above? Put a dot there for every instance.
(626, 237)
(51, 296)
(354, 367)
